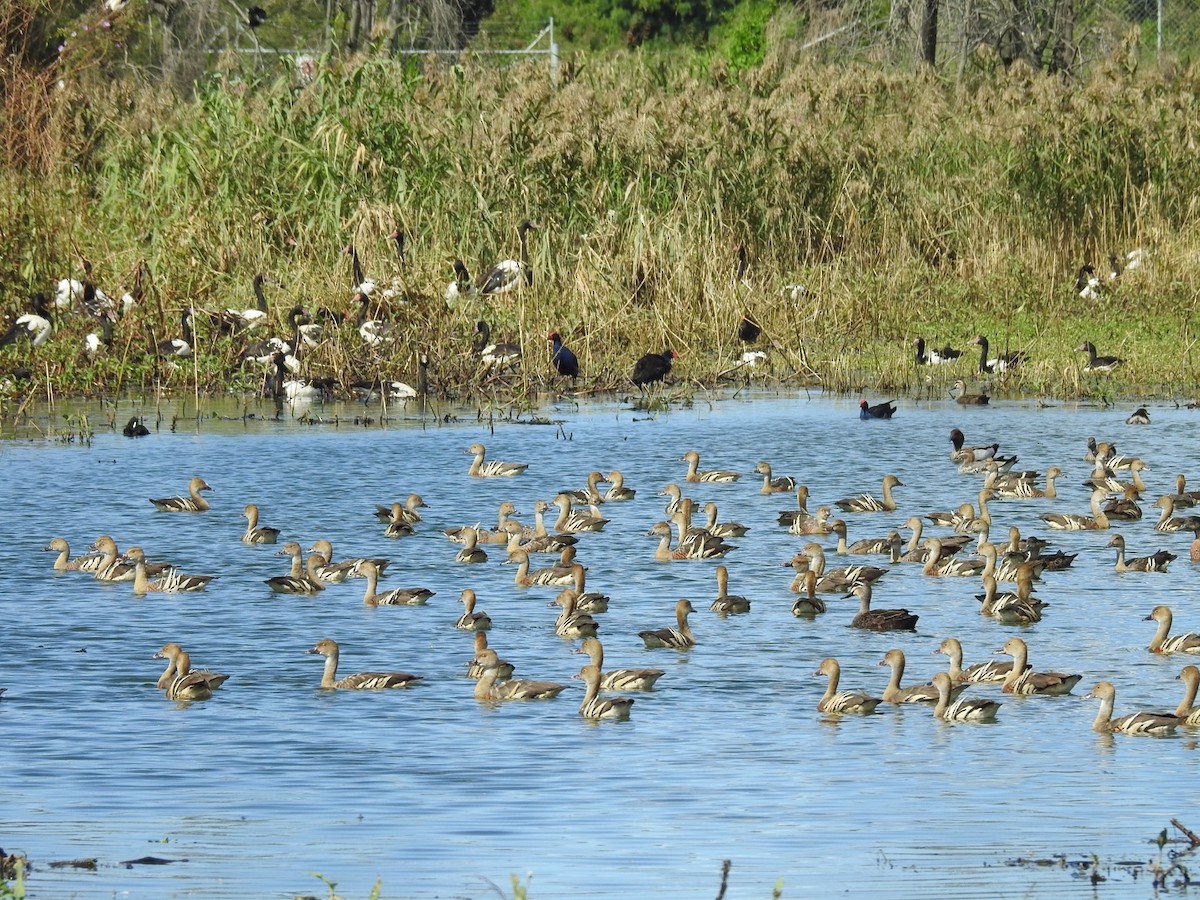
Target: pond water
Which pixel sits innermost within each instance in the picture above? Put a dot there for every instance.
(272, 780)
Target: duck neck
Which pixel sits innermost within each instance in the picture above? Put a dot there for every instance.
(329, 673)
(141, 583)
(1160, 635)
(167, 676)
(1103, 721)
(1189, 696)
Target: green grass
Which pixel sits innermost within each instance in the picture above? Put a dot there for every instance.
(906, 204)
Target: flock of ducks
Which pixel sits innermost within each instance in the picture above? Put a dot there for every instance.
(965, 549)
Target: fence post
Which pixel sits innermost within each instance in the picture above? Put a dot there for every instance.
(554, 52)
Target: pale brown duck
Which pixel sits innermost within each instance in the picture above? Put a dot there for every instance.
(362, 681)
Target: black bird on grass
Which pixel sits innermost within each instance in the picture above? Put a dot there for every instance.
(565, 361)
(653, 367)
(878, 411)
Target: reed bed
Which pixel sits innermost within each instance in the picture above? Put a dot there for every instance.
(903, 204)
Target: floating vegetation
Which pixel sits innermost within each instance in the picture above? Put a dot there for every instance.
(1167, 871)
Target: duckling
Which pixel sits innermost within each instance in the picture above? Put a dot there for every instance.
(692, 458)
(494, 468)
(593, 705)
(471, 620)
(256, 534)
(964, 710)
(1020, 680)
(726, 603)
(362, 681)
(879, 619)
(920, 693)
(1160, 643)
(1156, 562)
(191, 503)
(1151, 723)
(846, 701)
(867, 503)
(678, 638)
(618, 679)
(395, 597)
(782, 484)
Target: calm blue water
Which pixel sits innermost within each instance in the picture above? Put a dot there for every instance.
(440, 796)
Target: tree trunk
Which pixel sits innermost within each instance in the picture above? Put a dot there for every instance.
(929, 29)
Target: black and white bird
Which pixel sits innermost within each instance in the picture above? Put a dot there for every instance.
(460, 289)
(1097, 363)
(180, 347)
(999, 364)
(493, 354)
(36, 327)
(374, 332)
(361, 283)
(509, 274)
(1087, 283)
(254, 317)
(933, 356)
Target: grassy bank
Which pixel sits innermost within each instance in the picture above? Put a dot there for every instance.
(904, 204)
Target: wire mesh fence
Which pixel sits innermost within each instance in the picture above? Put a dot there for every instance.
(1068, 36)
